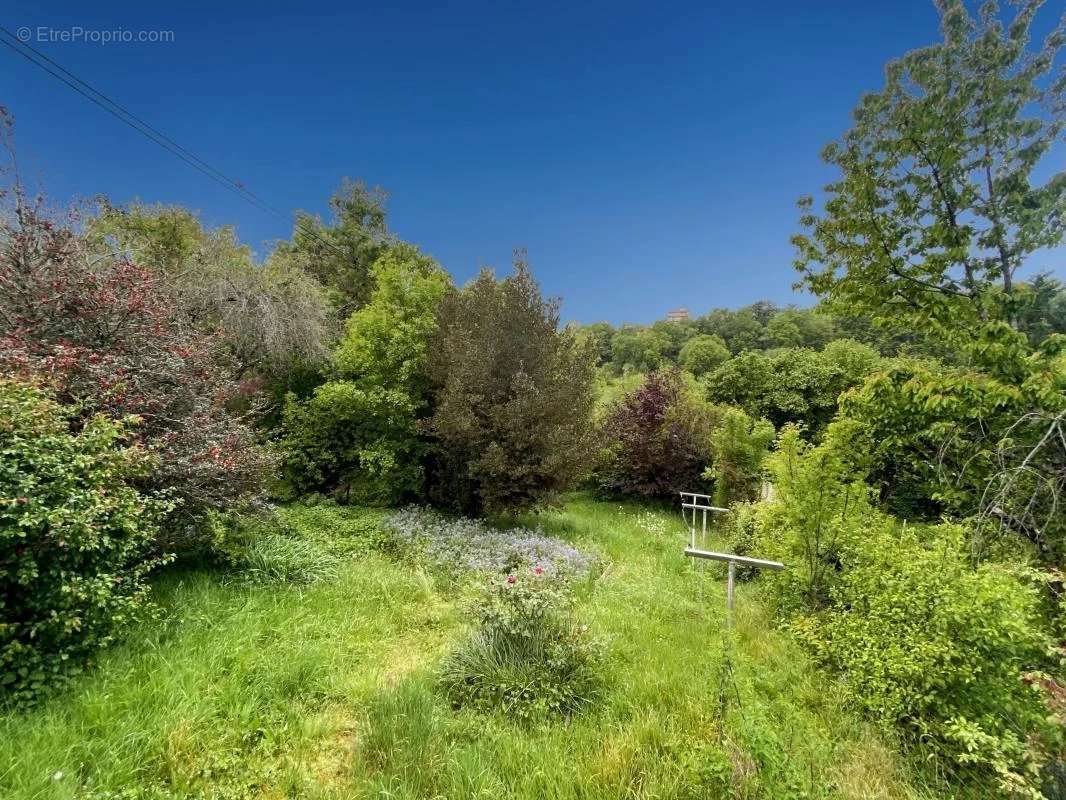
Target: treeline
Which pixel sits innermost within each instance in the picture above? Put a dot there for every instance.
(160, 387)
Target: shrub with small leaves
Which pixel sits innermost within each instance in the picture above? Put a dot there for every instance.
(526, 658)
(944, 650)
(74, 539)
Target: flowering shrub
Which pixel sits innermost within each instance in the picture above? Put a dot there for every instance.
(106, 337)
(526, 657)
(466, 545)
(73, 539)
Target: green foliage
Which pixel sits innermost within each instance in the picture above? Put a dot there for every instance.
(938, 205)
(340, 254)
(927, 642)
(357, 436)
(513, 397)
(792, 386)
(703, 353)
(386, 342)
(635, 349)
(526, 658)
(739, 444)
(74, 539)
(358, 444)
(819, 509)
(970, 440)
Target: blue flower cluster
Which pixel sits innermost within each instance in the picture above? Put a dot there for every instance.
(468, 545)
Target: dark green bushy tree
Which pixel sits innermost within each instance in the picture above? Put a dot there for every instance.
(513, 394)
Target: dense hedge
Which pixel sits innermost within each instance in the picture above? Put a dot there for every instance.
(74, 539)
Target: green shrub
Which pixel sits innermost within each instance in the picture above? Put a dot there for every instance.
(739, 444)
(925, 641)
(355, 443)
(525, 658)
(820, 508)
(74, 538)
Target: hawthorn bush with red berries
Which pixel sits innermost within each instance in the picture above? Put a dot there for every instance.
(106, 337)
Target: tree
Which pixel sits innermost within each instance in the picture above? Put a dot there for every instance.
(1041, 308)
(656, 440)
(702, 353)
(339, 255)
(272, 317)
(938, 205)
(937, 208)
(796, 385)
(638, 349)
(599, 336)
(741, 330)
(513, 396)
(739, 444)
(357, 436)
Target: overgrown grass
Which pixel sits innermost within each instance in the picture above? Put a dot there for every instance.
(329, 690)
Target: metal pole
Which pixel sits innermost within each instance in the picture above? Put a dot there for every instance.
(729, 591)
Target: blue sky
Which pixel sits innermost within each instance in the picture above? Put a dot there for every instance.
(647, 155)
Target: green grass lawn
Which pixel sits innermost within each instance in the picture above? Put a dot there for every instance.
(328, 691)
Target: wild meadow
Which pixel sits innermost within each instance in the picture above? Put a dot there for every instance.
(321, 523)
(327, 686)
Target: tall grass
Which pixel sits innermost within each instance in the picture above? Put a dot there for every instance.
(329, 690)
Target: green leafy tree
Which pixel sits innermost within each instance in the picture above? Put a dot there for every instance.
(513, 396)
(599, 336)
(938, 204)
(339, 254)
(358, 436)
(702, 353)
(740, 330)
(795, 385)
(638, 349)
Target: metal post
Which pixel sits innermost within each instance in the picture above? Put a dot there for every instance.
(729, 590)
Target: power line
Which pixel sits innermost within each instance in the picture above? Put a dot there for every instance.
(86, 90)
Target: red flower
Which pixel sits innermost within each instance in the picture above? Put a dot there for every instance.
(538, 570)
(511, 579)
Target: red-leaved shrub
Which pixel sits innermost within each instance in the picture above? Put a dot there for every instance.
(657, 440)
(105, 336)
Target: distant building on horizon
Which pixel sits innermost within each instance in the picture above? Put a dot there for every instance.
(677, 315)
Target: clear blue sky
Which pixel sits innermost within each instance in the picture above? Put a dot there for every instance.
(648, 155)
